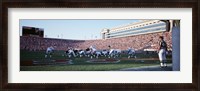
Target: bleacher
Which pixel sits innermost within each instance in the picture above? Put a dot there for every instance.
(138, 42)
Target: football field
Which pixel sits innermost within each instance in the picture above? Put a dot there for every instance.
(36, 61)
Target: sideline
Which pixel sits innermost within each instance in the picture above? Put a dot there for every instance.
(149, 68)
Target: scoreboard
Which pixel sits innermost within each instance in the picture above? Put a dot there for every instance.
(32, 31)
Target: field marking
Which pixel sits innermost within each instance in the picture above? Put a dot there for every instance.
(103, 61)
(149, 68)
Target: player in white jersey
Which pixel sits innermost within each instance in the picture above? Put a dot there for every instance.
(49, 52)
(131, 53)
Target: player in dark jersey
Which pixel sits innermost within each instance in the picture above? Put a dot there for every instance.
(162, 52)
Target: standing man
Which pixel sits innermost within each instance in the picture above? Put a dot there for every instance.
(162, 52)
(110, 54)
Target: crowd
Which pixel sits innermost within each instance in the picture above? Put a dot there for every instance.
(138, 42)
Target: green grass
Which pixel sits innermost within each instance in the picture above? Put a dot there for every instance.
(95, 67)
(80, 64)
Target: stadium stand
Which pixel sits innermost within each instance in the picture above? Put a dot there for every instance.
(138, 42)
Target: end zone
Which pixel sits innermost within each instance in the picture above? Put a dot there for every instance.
(45, 62)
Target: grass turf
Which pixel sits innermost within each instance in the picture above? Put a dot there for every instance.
(80, 64)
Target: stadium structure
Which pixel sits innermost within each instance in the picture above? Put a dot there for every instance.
(144, 27)
(32, 31)
(142, 36)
